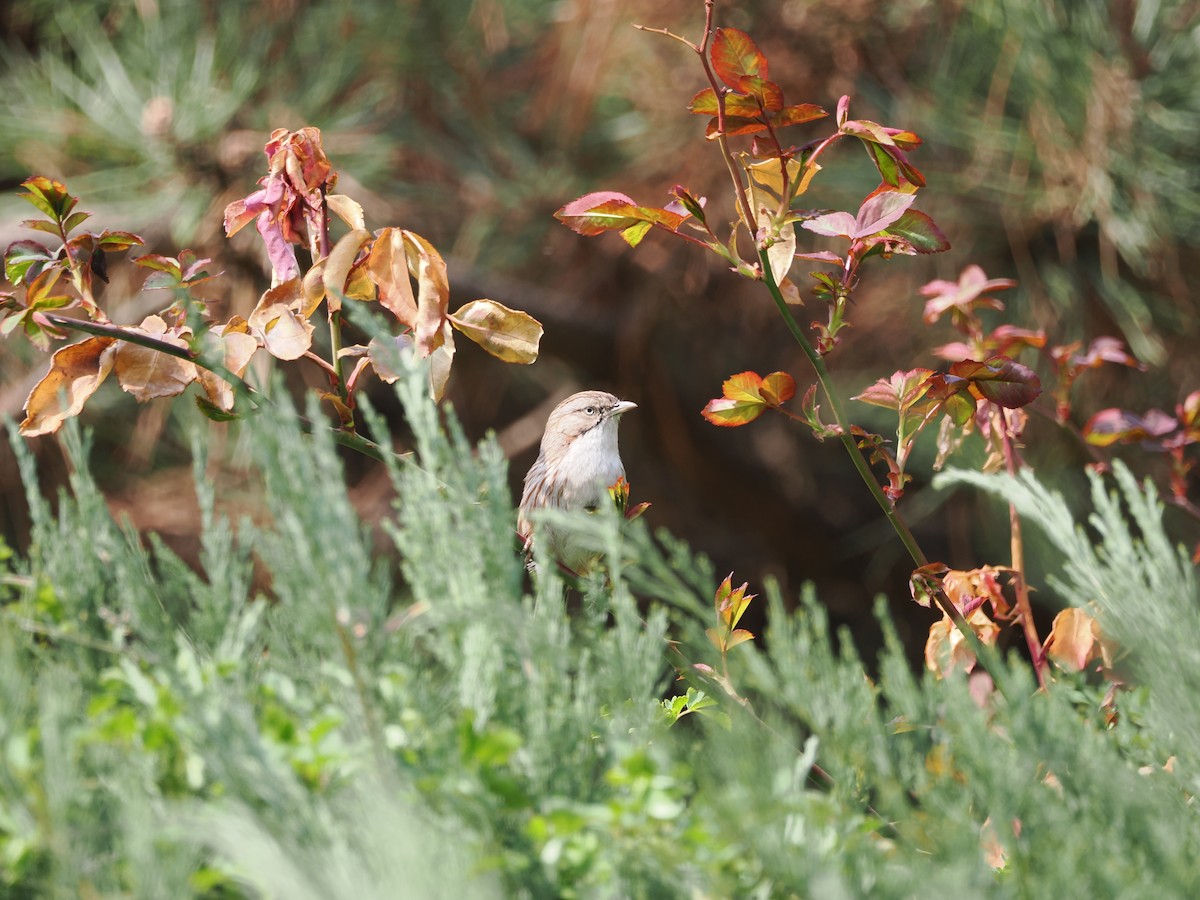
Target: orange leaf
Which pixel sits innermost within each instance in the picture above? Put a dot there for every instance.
(426, 265)
(1072, 642)
(388, 268)
(337, 265)
(778, 388)
(946, 649)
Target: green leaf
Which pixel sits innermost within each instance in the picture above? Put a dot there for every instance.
(165, 272)
(694, 206)
(41, 225)
(25, 260)
(49, 196)
(705, 104)
(214, 412)
(634, 233)
(960, 407)
(39, 290)
(885, 163)
(76, 219)
(920, 231)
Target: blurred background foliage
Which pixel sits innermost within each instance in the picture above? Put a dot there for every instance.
(1060, 150)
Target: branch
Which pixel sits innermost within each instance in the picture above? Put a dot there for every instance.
(121, 333)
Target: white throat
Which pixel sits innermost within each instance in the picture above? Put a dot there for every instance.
(593, 460)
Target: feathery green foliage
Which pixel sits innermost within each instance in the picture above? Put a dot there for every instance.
(422, 723)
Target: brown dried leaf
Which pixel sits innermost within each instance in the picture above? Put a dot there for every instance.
(312, 289)
(346, 209)
(234, 348)
(148, 374)
(507, 334)
(384, 354)
(439, 364)
(279, 323)
(337, 265)
(387, 266)
(433, 294)
(286, 335)
(76, 370)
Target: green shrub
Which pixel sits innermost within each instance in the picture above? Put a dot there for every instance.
(424, 723)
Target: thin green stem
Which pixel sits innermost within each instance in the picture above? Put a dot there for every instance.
(839, 415)
(860, 463)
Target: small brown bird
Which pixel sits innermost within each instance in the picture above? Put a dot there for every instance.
(578, 462)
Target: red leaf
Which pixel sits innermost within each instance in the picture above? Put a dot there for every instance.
(898, 392)
(1106, 349)
(1001, 380)
(742, 401)
(834, 224)
(867, 131)
(1007, 337)
(735, 55)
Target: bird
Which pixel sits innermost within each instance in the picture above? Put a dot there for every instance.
(577, 463)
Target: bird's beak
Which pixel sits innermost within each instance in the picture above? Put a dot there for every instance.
(623, 406)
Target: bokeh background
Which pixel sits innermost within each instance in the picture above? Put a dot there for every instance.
(1061, 150)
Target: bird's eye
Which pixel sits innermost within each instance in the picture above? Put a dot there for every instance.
(591, 410)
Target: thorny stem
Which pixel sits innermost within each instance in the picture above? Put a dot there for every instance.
(864, 470)
(898, 524)
(1017, 544)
